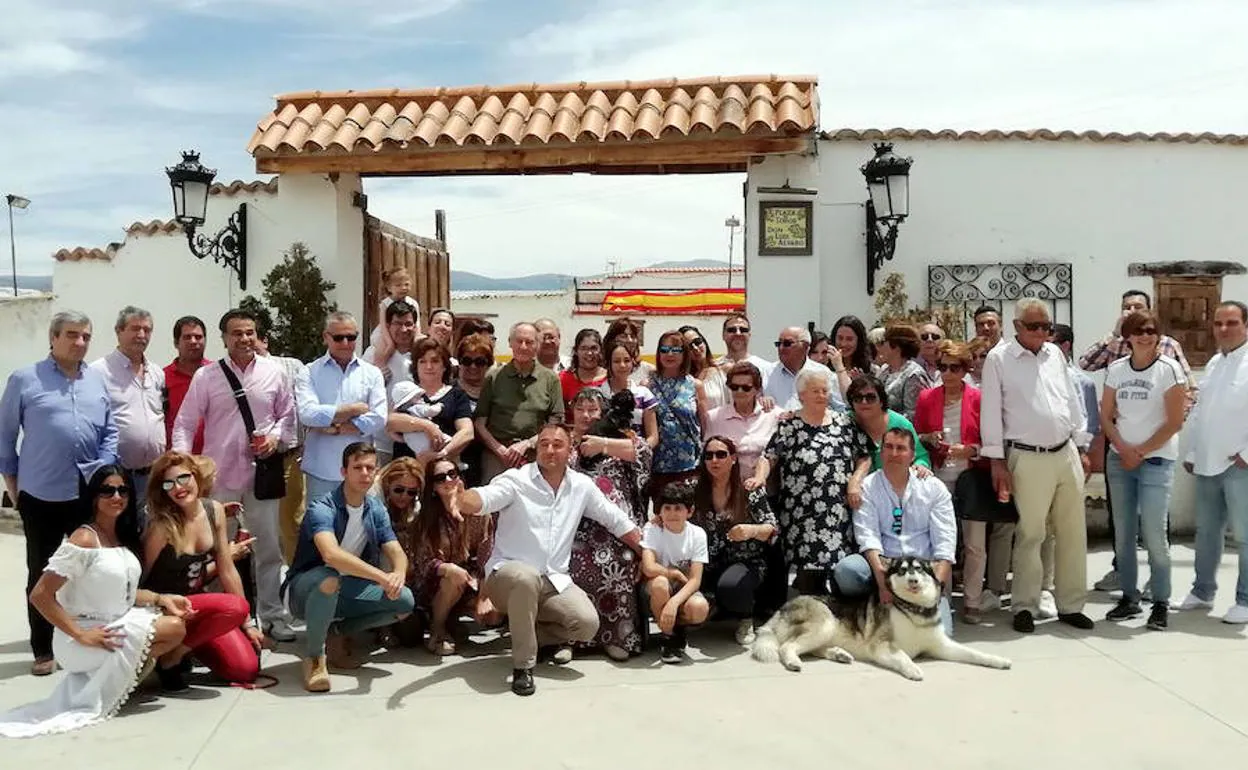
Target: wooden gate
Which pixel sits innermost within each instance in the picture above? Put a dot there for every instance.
(387, 247)
(1185, 307)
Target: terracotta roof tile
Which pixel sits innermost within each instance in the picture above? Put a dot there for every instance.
(80, 253)
(1040, 134)
(537, 114)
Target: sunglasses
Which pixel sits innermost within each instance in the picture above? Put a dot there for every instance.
(737, 387)
(669, 349)
(181, 480)
(344, 337)
(1146, 331)
(474, 361)
(943, 367)
(1037, 326)
(869, 397)
(717, 454)
(698, 342)
(785, 343)
(737, 330)
(897, 513)
(450, 475)
(929, 337)
(108, 490)
(409, 491)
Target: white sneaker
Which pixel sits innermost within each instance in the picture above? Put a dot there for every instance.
(1194, 602)
(745, 632)
(1108, 583)
(562, 656)
(280, 631)
(989, 602)
(1046, 609)
(1237, 615)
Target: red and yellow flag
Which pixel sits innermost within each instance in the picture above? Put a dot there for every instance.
(674, 302)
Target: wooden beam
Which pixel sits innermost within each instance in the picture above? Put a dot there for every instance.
(660, 156)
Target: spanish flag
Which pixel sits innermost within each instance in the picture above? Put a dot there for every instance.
(694, 301)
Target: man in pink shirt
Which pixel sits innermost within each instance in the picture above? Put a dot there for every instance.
(226, 440)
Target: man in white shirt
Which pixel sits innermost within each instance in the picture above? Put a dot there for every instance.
(1219, 458)
(1035, 432)
(737, 342)
(540, 506)
(780, 383)
(901, 515)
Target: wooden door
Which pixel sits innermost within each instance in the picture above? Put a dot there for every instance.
(387, 246)
(1185, 306)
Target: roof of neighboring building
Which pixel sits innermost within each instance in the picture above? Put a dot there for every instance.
(404, 131)
(625, 275)
(507, 293)
(1039, 134)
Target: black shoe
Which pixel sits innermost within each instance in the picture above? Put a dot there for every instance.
(680, 637)
(1024, 623)
(1157, 618)
(522, 681)
(1125, 609)
(1076, 619)
(171, 679)
(670, 650)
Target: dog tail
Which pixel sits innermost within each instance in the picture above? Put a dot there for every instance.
(766, 647)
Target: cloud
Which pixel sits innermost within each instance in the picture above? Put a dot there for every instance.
(372, 12)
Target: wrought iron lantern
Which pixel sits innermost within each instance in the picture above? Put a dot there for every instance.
(888, 182)
(191, 182)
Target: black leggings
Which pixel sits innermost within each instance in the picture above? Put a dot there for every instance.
(736, 589)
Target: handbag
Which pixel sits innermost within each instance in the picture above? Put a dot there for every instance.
(270, 481)
(975, 499)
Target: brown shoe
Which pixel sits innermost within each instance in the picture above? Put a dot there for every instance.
(315, 675)
(43, 666)
(339, 652)
(972, 616)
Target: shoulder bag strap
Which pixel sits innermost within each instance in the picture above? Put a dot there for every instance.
(240, 397)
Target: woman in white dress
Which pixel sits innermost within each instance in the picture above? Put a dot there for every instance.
(109, 633)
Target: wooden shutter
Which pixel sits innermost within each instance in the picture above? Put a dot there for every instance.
(1185, 306)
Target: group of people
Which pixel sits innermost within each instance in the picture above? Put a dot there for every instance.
(199, 511)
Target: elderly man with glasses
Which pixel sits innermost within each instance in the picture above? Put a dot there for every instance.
(780, 380)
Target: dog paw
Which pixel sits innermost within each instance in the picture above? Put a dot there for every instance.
(793, 665)
(839, 655)
(1002, 663)
(913, 673)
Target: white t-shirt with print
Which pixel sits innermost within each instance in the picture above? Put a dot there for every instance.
(676, 549)
(1140, 400)
(354, 538)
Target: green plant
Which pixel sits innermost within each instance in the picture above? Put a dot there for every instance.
(892, 305)
(264, 318)
(297, 293)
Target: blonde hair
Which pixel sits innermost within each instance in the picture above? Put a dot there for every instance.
(161, 510)
(388, 276)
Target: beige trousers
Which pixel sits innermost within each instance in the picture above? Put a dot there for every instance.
(290, 512)
(1048, 490)
(537, 614)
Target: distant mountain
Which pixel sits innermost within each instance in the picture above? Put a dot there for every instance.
(462, 280)
(693, 263)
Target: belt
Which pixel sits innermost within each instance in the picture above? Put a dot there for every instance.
(1044, 450)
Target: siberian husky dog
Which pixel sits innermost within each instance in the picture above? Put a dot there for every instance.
(889, 635)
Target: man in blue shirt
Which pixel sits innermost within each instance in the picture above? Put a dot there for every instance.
(337, 577)
(63, 413)
(341, 399)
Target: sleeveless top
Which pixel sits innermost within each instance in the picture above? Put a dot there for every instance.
(183, 573)
(680, 432)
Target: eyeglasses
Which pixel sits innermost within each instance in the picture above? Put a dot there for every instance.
(897, 514)
(1147, 330)
(717, 454)
(943, 367)
(409, 491)
(930, 337)
(1037, 326)
(108, 490)
(785, 343)
(482, 361)
(738, 387)
(737, 330)
(450, 475)
(589, 351)
(866, 397)
(344, 337)
(181, 480)
(669, 349)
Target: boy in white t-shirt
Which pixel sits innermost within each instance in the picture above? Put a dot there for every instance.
(672, 560)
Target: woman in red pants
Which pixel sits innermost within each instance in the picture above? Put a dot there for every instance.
(184, 544)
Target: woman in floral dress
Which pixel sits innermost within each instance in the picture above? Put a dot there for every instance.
(817, 451)
(681, 410)
(618, 460)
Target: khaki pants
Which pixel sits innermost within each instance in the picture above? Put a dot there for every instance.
(290, 512)
(1001, 550)
(1048, 490)
(537, 614)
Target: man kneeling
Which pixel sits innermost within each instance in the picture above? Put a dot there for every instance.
(539, 509)
(901, 515)
(336, 581)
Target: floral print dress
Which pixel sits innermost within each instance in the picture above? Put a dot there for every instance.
(815, 464)
(602, 565)
(680, 431)
(724, 552)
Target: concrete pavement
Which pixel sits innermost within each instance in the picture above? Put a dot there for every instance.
(1118, 697)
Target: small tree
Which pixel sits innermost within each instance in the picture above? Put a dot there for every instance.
(264, 318)
(297, 293)
(891, 301)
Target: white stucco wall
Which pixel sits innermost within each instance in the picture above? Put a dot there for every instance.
(24, 320)
(159, 273)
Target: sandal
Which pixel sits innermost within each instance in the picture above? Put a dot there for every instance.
(440, 646)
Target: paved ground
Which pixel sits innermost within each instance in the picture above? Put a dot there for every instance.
(1119, 697)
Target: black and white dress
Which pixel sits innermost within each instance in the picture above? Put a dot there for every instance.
(815, 464)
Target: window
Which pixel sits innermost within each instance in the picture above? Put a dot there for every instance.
(1185, 307)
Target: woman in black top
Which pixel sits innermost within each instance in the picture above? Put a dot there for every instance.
(449, 420)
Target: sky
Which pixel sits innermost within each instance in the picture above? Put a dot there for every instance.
(98, 96)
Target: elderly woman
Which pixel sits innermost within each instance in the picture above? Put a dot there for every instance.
(745, 422)
(476, 355)
(622, 360)
(449, 421)
(739, 525)
(681, 411)
(816, 450)
(619, 463)
(586, 370)
(702, 366)
(450, 555)
(904, 377)
(870, 404)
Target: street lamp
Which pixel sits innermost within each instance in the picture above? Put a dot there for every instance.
(15, 202)
(888, 182)
(732, 223)
(190, 182)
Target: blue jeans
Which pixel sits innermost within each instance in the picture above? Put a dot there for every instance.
(1141, 508)
(1217, 498)
(357, 605)
(854, 578)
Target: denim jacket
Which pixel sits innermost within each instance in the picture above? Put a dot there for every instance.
(329, 513)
